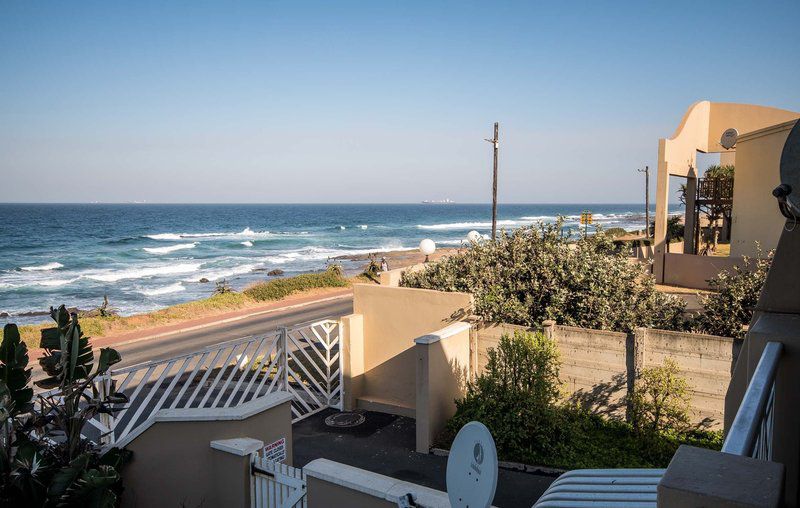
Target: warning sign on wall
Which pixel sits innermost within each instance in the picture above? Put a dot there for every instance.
(275, 451)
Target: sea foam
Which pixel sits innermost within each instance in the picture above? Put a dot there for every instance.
(142, 273)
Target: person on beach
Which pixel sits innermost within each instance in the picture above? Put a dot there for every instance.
(384, 264)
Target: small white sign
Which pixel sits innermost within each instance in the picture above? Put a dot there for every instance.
(275, 451)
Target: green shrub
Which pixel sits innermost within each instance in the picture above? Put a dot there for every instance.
(660, 400)
(279, 288)
(729, 309)
(515, 397)
(532, 274)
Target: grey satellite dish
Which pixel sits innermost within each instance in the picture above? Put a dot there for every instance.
(788, 192)
(472, 468)
(728, 138)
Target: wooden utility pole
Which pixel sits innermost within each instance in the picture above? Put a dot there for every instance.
(495, 142)
(646, 172)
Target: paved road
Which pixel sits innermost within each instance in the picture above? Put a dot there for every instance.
(187, 342)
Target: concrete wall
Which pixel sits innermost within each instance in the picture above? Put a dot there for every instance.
(692, 271)
(443, 369)
(755, 215)
(392, 318)
(174, 465)
(598, 366)
(334, 484)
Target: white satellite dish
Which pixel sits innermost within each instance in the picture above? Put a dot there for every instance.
(472, 468)
(474, 237)
(728, 138)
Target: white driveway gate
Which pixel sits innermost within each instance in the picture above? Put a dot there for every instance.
(304, 360)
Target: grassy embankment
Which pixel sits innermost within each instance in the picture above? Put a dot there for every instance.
(252, 296)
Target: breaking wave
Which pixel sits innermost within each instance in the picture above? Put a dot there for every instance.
(172, 288)
(42, 268)
(171, 248)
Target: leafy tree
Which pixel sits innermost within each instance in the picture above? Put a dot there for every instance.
(532, 274)
(728, 310)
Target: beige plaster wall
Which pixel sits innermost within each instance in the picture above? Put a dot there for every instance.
(692, 271)
(443, 369)
(700, 130)
(392, 318)
(392, 277)
(755, 215)
(174, 465)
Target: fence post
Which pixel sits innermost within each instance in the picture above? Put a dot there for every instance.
(634, 362)
(548, 328)
(283, 345)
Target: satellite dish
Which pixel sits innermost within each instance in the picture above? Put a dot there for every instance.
(474, 237)
(728, 139)
(788, 192)
(472, 468)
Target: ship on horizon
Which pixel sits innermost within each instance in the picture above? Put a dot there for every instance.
(445, 201)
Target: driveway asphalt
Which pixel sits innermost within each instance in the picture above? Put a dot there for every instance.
(384, 444)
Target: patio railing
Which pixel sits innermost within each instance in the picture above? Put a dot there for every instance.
(751, 431)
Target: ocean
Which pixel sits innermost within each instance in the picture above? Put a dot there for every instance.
(145, 257)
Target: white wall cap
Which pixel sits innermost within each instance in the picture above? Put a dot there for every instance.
(374, 484)
(240, 446)
(444, 333)
(240, 412)
(207, 414)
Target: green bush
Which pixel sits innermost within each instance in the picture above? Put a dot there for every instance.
(728, 310)
(279, 288)
(532, 274)
(660, 400)
(517, 398)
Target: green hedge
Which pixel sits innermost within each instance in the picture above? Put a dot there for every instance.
(280, 288)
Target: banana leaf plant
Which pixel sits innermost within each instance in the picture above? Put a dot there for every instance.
(44, 460)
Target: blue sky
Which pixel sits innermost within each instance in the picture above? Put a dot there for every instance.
(368, 101)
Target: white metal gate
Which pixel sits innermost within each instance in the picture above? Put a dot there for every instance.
(276, 485)
(304, 360)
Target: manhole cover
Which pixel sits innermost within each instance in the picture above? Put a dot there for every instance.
(345, 419)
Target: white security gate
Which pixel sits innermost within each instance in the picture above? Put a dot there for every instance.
(276, 485)
(313, 367)
(304, 360)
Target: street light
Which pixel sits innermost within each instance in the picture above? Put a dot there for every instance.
(427, 247)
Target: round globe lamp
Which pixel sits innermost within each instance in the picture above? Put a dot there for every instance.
(427, 247)
(473, 237)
